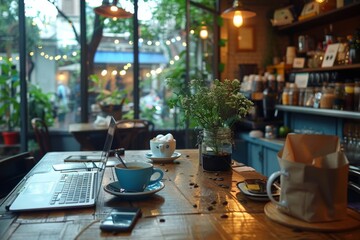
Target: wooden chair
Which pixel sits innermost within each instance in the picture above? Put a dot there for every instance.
(13, 169)
(41, 135)
(133, 134)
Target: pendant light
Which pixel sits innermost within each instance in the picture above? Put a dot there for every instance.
(204, 32)
(237, 13)
(112, 10)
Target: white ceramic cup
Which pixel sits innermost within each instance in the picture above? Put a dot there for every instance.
(162, 149)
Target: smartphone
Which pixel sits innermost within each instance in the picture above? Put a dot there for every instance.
(120, 220)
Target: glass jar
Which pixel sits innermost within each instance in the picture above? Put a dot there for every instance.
(356, 95)
(216, 149)
(293, 95)
(301, 96)
(339, 96)
(327, 98)
(309, 97)
(349, 96)
(285, 96)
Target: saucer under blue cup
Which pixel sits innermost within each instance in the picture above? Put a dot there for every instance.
(114, 189)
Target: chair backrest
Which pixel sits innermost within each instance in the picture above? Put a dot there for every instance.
(133, 134)
(13, 169)
(42, 135)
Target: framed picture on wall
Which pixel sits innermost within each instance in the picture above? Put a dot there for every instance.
(246, 38)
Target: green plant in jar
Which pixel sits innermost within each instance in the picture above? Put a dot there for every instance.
(213, 106)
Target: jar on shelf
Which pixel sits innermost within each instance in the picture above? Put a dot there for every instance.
(349, 96)
(327, 98)
(309, 97)
(293, 95)
(285, 96)
(301, 97)
(339, 96)
(356, 94)
(270, 131)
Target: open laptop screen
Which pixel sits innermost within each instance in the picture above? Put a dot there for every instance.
(106, 151)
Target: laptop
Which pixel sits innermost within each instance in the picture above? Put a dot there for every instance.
(55, 190)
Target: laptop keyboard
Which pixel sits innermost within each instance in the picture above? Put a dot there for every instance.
(72, 188)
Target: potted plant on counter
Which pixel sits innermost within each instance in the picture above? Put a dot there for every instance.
(39, 103)
(9, 103)
(214, 109)
(110, 102)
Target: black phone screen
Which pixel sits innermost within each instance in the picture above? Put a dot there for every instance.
(120, 219)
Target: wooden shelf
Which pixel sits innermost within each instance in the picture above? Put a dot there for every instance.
(345, 12)
(324, 69)
(320, 112)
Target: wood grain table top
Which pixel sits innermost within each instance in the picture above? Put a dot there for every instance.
(194, 204)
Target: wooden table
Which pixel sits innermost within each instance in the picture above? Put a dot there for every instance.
(193, 205)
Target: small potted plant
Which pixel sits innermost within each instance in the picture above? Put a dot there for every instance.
(110, 102)
(9, 103)
(40, 104)
(214, 109)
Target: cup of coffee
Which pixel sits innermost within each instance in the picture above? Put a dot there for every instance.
(163, 146)
(137, 176)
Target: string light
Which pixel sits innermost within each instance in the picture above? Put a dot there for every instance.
(126, 67)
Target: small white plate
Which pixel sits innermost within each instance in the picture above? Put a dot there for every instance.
(254, 196)
(114, 189)
(154, 159)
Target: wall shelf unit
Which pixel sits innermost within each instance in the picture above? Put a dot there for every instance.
(325, 69)
(320, 112)
(348, 11)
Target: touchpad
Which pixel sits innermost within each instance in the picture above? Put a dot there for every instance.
(37, 188)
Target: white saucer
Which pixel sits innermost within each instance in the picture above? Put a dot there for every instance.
(255, 196)
(113, 188)
(154, 159)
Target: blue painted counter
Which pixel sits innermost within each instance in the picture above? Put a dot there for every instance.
(259, 153)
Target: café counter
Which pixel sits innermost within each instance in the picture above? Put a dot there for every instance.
(194, 204)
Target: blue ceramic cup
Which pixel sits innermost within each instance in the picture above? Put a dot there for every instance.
(137, 176)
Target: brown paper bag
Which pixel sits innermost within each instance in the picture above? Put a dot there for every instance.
(314, 175)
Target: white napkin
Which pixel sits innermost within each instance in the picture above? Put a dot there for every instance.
(101, 121)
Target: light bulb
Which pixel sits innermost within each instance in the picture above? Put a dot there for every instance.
(113, 8)
(320, 1)
(204, 33)
(238, 19)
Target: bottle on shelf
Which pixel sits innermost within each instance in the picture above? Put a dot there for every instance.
(270, 98)
(354, 48)
(356, 94)
(339, 96)
(349, 95)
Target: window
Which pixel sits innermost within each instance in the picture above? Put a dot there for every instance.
(53, 55)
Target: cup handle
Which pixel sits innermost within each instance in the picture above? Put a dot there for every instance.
(269, 184)
(157, 170)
